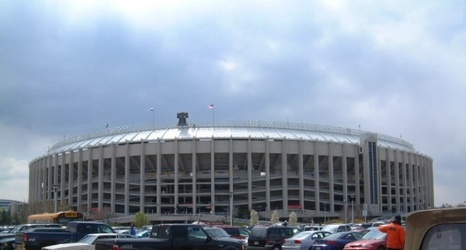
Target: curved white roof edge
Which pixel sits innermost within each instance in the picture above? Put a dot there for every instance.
(246, 129)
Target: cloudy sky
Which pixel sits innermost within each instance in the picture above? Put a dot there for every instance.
(393, 67)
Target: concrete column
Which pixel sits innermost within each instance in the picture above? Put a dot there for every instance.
(159, 176)
(212, 171)
(250, 167)
(357, 178)
(100, 179)
(142, 178)
(176, 174)
(344, 169)
(317, 179)
(70, 178)
(79, 181)
(61, 181)
(113, 179)
(267, 177)
(89, 180)
(301, 174)
(127, 175)
(284, 169)
(194, 175)
(331, 177)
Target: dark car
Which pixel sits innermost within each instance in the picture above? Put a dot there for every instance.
(7, 243)
(269, 238)
(336, 241)
(237, 232)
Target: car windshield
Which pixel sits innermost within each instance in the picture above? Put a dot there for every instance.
(374, 234)
(217, 232)
(89, 239)
(301, 235)
(259, 231)
(330, 228)
(334, 236)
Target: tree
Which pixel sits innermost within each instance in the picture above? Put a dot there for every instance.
(254, 220)
(275, 217)
(293, 220)
(141, 219)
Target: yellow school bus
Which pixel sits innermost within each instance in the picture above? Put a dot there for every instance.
(62, 217)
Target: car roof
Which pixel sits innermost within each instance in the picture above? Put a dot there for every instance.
(419, 222)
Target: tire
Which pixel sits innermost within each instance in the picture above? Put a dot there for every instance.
(276, 247)
(381, 248)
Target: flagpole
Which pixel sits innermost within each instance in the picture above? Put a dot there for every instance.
(153, 117)
(211, 107)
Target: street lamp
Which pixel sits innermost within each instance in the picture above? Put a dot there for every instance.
(55, 189)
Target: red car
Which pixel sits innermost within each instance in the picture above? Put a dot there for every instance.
(374, 239)
(237, 232)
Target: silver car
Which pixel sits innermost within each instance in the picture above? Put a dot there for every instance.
(303, 240)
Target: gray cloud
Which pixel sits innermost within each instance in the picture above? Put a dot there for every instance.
(71, 67)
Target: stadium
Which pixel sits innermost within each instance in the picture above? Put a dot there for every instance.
(228, 169)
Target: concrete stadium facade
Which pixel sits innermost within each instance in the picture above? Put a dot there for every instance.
(316, 171)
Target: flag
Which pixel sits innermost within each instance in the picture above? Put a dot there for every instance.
(211, 106)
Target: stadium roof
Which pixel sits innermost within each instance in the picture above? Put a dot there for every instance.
(238, 130)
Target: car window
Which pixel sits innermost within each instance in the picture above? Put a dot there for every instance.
(445, 237)
(104, 229)
(273, 232)
(195, 233)
(287, 232)
(259, 232)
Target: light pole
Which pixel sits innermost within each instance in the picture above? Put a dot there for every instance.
(55, 189)
(153, 117)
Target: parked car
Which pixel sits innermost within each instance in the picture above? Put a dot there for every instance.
(85, 243)
(269, 238)
(336, 228)
(374, 239)
(216, 232)
(442, 228)
(19, 231)
(143, 234)
(174, 237)
(313, 228)
(336, 241)
(75, 230)
(239, 233)
(7, 243)
(303, 240)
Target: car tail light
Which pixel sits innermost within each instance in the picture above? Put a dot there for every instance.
(25, 237)
(331, 242)
(298, 241)
(115, 247)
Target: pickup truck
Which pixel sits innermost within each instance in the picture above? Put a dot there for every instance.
(174, 237)
(436, 229)
(19, 230)
(75, 230)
